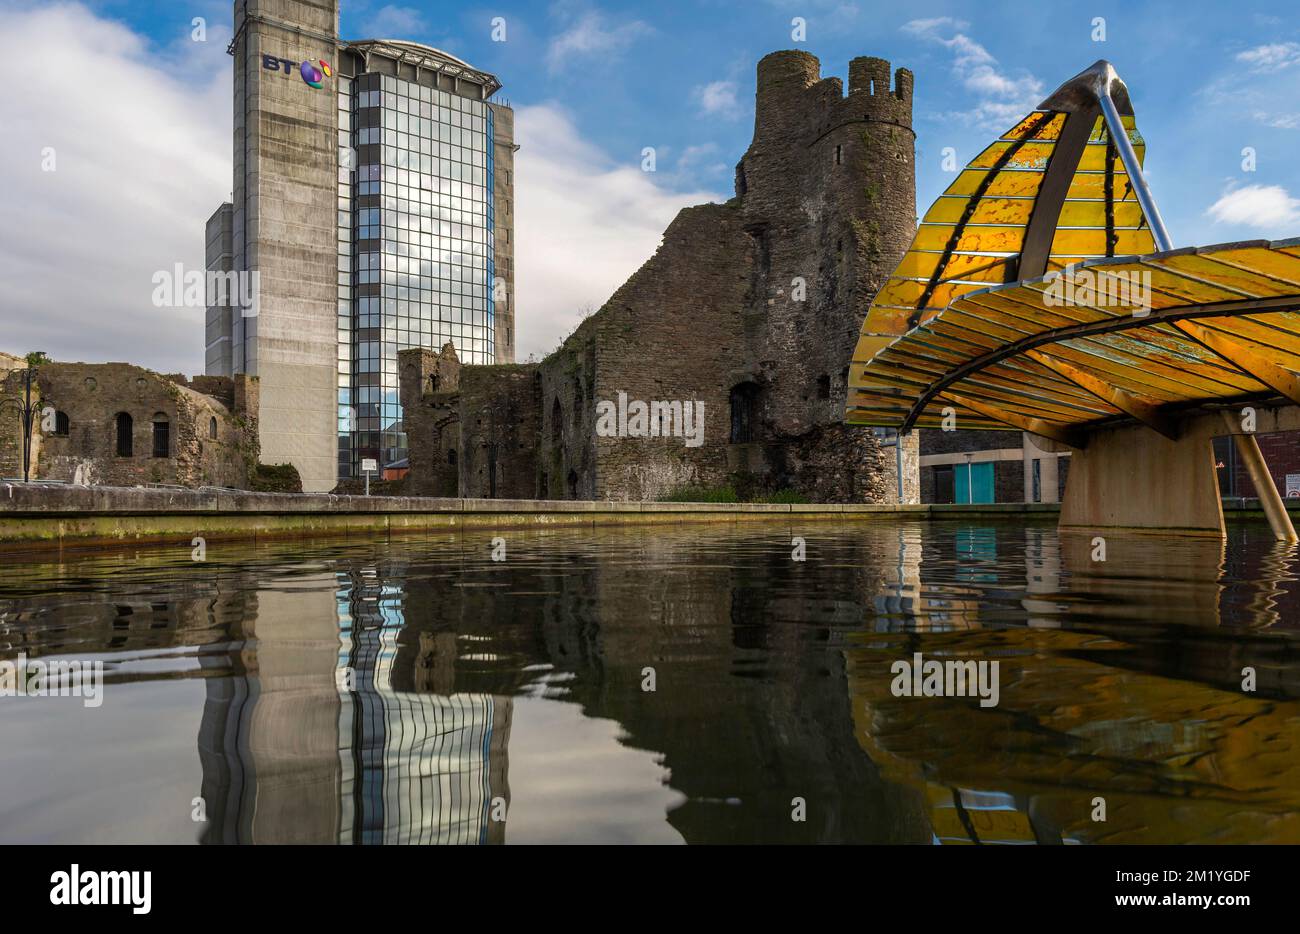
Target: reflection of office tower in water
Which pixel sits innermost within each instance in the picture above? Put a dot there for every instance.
(293, 753)
(268, 741)
(416, 767)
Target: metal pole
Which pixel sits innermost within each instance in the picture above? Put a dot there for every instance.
(898, 463)
(1134, 170)
(1257, 468)
(27, 425)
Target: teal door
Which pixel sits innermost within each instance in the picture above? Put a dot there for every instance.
(974, 482)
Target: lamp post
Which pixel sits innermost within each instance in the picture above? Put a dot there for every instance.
(27, 412)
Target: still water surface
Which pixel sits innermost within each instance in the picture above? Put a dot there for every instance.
(413, 690)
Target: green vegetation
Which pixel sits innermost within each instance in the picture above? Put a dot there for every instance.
(782, 496)
(275, 478)
(701, 494)
(727, 494)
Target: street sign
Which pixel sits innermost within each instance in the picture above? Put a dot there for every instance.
(368, 466)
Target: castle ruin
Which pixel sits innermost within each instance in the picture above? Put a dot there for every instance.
(751, 307)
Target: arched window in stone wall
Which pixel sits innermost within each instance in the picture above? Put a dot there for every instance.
(744, 413)
(557, 420)
(573, 484)
(125, 430)
(162, 435)
(62, 426)
(212, 427)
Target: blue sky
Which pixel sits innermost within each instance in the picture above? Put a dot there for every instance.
(596, 82)
(637, 74)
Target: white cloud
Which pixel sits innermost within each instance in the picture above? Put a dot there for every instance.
(1264, 207)
(999, 97)
(583, 224)
(718, 99)
(590, 33)
(1278, 121)
(142, 146)
(1272, 57)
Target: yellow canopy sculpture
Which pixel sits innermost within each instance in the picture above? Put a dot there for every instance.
(1032, 297)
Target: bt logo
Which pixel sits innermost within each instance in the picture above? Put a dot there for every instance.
(310, 73)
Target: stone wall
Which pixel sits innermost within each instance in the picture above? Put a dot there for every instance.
(500, 422)
(753, 308)
(430, 397)
(748, 311)
(210, 433)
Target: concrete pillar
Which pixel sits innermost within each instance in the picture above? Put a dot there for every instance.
(1131, 477)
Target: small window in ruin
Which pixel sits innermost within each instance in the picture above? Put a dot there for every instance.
(124, 435)
(162, 436)
(451, 456)
(212, 428)
(573, 484)
(744, 412)
(61, 424)
(823, 387)
(839, 155)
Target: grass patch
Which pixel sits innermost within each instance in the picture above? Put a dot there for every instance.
(728, 494)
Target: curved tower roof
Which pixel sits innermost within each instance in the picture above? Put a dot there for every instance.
(425, 56)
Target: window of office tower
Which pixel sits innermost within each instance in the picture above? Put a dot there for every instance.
(422, 248)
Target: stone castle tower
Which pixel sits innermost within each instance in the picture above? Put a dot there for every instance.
(827, 192)
(751, 307)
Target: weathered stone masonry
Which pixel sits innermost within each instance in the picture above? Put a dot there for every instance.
(122, 425)
(752, 307)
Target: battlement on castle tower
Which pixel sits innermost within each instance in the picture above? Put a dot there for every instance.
(793, 97)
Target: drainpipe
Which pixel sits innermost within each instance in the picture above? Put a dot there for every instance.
(896, 443)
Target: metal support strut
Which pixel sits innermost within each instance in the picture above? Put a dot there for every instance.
(1274, 508)
(1134, 169)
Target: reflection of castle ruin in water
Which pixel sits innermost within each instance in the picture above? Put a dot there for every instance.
(773, 677)
(294, 753)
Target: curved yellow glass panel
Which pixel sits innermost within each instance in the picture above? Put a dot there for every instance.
(997, 223)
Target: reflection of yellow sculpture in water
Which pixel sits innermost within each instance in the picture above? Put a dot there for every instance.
(1097, 708)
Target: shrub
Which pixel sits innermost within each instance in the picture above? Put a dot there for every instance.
(275, 478)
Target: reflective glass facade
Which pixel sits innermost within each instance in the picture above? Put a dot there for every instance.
(415, 242)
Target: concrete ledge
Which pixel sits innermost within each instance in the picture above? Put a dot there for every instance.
(51, 515)
(48, 515)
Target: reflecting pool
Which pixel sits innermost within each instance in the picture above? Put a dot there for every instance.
(691, 683)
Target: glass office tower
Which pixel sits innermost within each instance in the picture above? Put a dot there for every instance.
(416, 247)
(397, 149)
